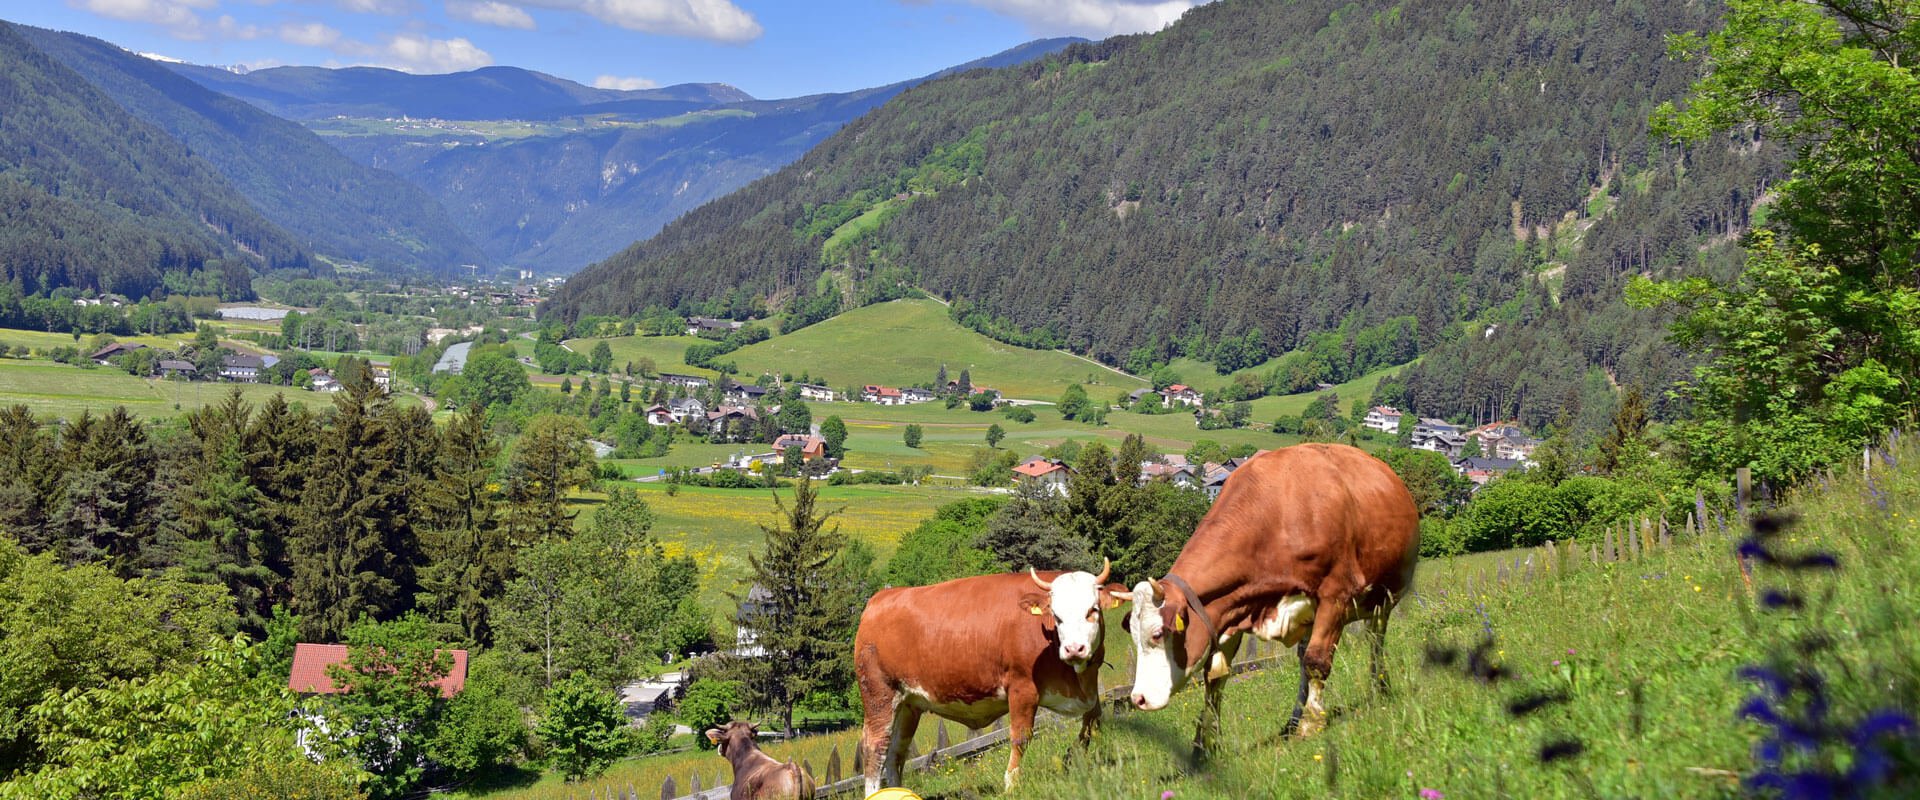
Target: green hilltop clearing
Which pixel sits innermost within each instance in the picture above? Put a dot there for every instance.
(897, 343)
(65, 391)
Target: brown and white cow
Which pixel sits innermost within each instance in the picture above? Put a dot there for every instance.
(974, 649)
(1301, 541)
(756, 775)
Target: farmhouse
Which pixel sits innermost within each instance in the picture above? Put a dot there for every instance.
(102, 355)
(700, 325)
(746, 393)
(1134, 396)
(658, 416)
(310, 663)
(1182, 475)
(733, 422)
(884, 395)
(686, 408)
(1382, 418)
(812, 447)
(173, 367)
(817, 393)
(1447, 443)
(1481, 470)
(1182, 394)
(1050, 474)
(688, 381)
(322, 381)
(913, 394)
(1504, 440)
(242, 368)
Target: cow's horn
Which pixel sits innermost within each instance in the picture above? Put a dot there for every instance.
(1047, 585)
(1159, 590)
(1106, 566)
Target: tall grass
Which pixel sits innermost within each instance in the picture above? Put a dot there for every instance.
(1629, 675)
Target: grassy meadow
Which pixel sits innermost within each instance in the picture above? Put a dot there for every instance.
(1646, 651)
(60, 390)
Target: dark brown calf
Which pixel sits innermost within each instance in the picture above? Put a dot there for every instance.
(756, 776)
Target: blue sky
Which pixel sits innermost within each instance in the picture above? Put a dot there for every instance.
(770, 48)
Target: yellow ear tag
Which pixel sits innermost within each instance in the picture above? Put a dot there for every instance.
(1034, 610)
(1180, 624)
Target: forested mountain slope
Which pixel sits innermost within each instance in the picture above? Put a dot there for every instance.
(1252, 175)
(339, 207)
(92, 197)
(560, 200)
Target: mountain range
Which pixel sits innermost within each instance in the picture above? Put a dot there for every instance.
(609, 168)
(1255, 177)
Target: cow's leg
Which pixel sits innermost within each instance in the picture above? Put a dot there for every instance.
(1207, 733)
(1022, 704)
(906, 720)
(880, 703)
(1317, 662)
(1377, 628)
(1299, 700)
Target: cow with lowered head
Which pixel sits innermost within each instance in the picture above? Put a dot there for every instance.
(756, 775)
(974, 649)
(1301, 541)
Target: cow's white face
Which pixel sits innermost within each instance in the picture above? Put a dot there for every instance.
(1158, 650)
(1074, 600)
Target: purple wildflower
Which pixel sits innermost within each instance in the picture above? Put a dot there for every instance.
(1432, 794)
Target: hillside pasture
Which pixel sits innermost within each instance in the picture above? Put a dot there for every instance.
(904, 343)
(61, 390)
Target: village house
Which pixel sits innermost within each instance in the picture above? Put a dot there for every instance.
(883, 395)
(322, 381)
(1048, 473)
(913, 394)
(175, 368)
(812, 447)
(1382, 418)
(1133, 397)
(687, 381)
(991, 394)
(658, 416)
(685, 408)
(744, 393)
(1481, 470)
(700, 325)
(1505, 440)
(1446, 443)
(104, 354)
(817, 393)
(383, 378)
(733, 422)
(243, 368)
(1182, 394)
(1182, 475)
(309, 676)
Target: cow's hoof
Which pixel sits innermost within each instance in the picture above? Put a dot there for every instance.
(1311, 725)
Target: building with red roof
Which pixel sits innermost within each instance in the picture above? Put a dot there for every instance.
(310, 662)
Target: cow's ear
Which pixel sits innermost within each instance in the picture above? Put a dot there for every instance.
(713, 735)
(1112, 595)
(1036, 604)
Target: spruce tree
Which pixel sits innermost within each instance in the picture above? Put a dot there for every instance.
(549, 460)
(805, 623)
(344, 565)
(280, 444)
(109, 468)
(30, 479)
(468, 556)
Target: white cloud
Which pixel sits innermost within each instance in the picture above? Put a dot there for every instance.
(387, 7)
(1090, 17)
(412, 52)
(179, 17)
(309, 34)
(714, 20)
(624, 84)
(230, 28)
(490, 12)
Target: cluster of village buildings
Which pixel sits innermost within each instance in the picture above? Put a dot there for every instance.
(235, 368)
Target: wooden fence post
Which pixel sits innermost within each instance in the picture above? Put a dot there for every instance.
(1666, 534)
(1611, 555)
(859, 760)
(1743, 490)
(804, 764)
(694, 784)
(833, 765)
(668, 789)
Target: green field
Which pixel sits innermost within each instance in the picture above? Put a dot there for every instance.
(720, 527)
(904, 342)
(64, 391)
(666, 352)
(1268, 409)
